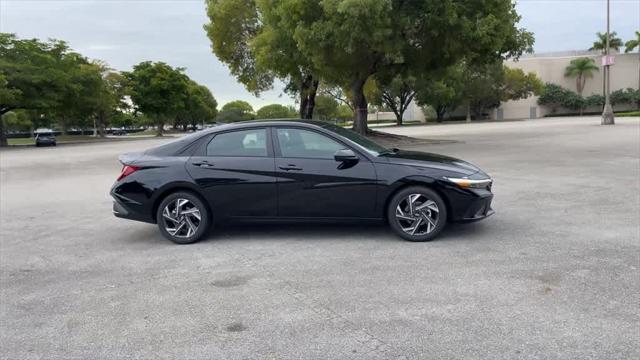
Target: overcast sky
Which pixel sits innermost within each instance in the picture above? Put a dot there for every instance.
(126, 32)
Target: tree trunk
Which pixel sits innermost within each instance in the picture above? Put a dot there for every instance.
(579, 85)
(308, 90)
(159, 126)
(469, 112)
(3, 134)
(398, 119)
(440, 111)
(360, 107)
(65, 131)
(102, 123)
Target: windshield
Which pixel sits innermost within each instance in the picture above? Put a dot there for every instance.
(367, 144)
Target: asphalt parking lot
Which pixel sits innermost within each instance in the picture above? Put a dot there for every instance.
(554, 274)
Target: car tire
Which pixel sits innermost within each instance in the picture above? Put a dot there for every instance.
(427, 213)
(178, 226)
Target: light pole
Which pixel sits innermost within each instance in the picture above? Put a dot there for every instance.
(607, 114)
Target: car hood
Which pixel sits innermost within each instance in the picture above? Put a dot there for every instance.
(436, 161)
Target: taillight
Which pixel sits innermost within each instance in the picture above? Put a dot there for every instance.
(126, 171)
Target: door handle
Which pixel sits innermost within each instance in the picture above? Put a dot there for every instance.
(290, 168)
(203, 163)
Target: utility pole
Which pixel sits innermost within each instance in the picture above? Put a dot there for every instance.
(607, 114)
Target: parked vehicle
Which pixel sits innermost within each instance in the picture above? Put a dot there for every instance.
(295, 171)
(45, 138)
(118, 132)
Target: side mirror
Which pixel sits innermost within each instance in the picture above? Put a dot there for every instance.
(345, 155)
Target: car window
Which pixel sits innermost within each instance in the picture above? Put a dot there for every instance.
(306, 144)
(239, 143)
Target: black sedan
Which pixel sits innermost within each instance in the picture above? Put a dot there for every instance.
(295, 171)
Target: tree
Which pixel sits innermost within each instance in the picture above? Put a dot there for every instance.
(275, 111)
(326, 108)
(601, 43)
(632, 44)
(157, 90)
(109, 96)
(30, 75)
(397, 95)
(199, 106)
(253, 39)
(237, 110)
(581, 69)
(443, 90)
(349, 42)
(344, 112)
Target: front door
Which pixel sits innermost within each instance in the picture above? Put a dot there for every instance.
(311, 183)
(236, 172)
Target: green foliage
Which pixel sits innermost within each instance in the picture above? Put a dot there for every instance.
(346, 42)
(33, 71)
(276, 111)
(237, 110)
(625, 96)
(520, 85)
(633, 43)
(326, 108)
(199, 106)
(594, 100)
(443, 91)
(255, 39)
(554, 96)
(344, 112)
(396, 95)
(581, 69)
(601, 42)
(158, 90)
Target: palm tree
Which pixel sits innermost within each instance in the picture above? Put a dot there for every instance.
(581, 69)
(632, 44)
(601, 44)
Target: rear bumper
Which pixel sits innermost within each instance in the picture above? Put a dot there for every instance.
(128, 209)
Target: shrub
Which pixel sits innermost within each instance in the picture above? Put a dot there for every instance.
(594, 100)
(556, 96)
(625, 96)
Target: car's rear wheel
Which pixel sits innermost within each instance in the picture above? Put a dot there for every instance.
(183, 218)
(417, 213)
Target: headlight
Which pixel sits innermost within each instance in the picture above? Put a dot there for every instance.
(471, 184)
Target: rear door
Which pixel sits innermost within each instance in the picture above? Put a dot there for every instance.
(235, 170)
(312, 184)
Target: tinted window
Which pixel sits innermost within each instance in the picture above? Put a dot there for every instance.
(369, 145)
(306, 144)
(239, 143)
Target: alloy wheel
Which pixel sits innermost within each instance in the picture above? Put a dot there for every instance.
(181, 218)
(417, 214)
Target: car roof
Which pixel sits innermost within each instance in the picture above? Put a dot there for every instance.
(266, 122)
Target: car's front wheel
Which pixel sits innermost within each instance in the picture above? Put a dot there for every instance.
(417, 213)
(183, 218)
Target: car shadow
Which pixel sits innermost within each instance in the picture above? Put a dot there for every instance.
(331, 232)
(300, 232)
(316, 232)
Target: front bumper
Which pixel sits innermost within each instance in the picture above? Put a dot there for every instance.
(479, 209)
